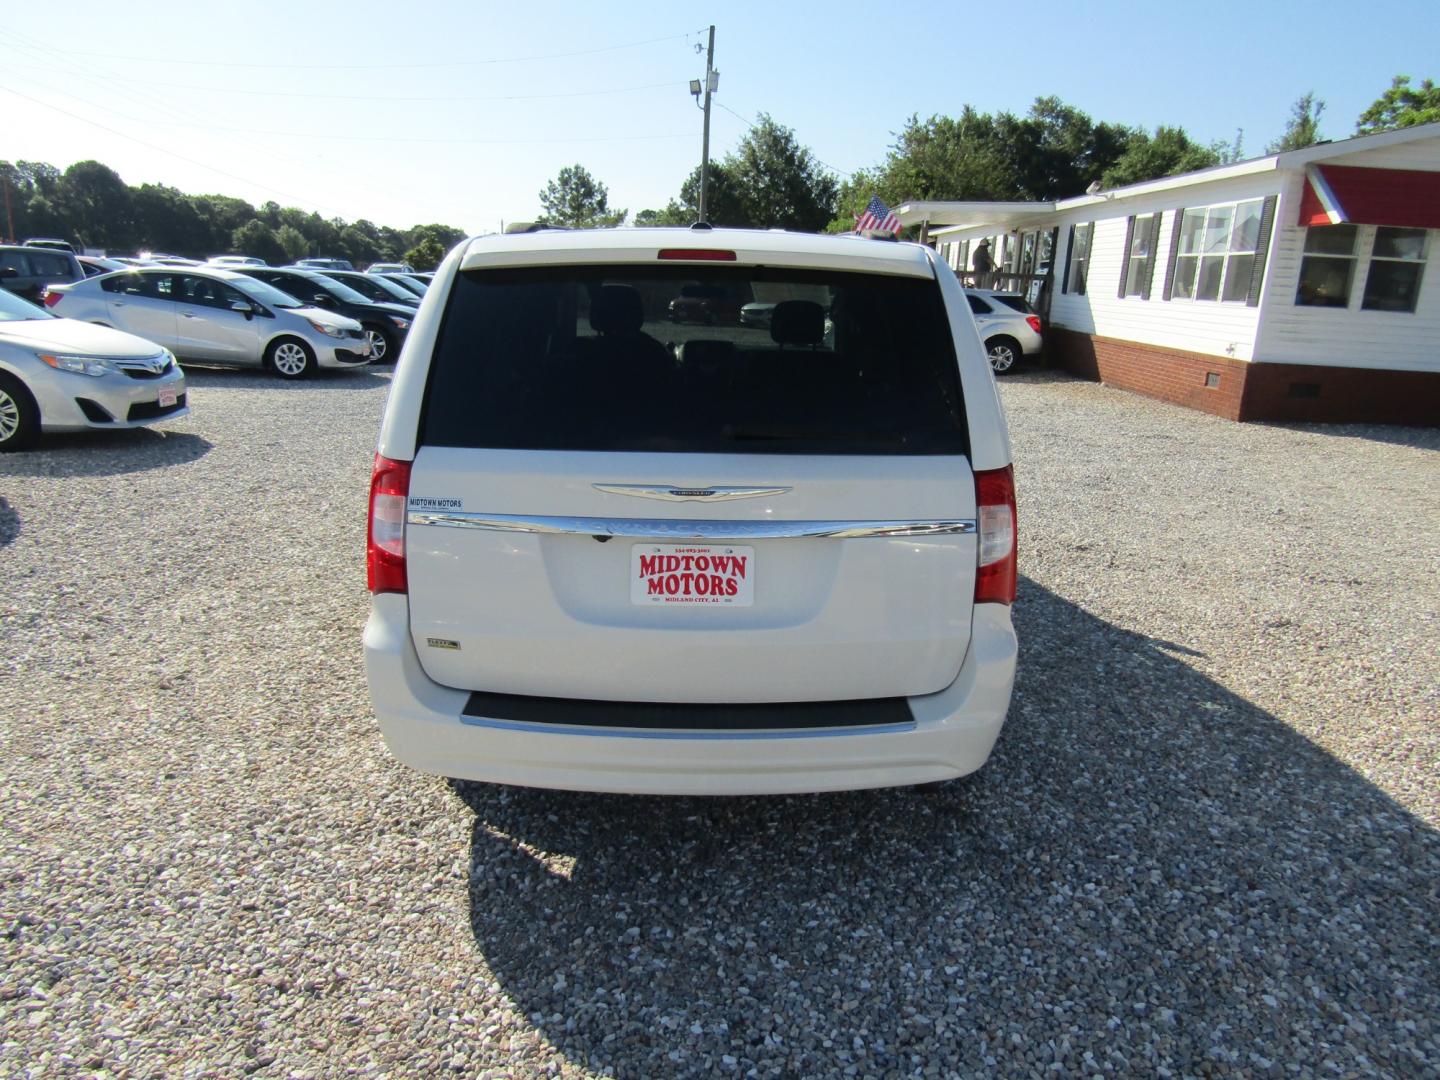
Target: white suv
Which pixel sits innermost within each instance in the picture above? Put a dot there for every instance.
(610, 552)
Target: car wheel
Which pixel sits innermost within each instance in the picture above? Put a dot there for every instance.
(290, 358)
(1003, 353)
(382, 345)
(19, 417)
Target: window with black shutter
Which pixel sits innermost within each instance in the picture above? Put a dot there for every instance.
(1140, 244)
(1219, 251)
(1077, 258)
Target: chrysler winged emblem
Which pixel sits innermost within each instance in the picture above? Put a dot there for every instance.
(674, 493)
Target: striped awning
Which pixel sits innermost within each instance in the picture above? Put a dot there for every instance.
(1344, 194)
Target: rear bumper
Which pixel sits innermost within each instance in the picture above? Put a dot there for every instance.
(424, 727)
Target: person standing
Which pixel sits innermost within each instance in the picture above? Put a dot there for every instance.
(982, 264)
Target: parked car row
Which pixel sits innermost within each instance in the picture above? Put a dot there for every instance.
(216, 316)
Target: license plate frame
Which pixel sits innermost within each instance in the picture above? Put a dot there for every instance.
(167, 398)
(692, 575)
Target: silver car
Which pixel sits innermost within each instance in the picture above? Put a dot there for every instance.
(217, 316)
(59, 374)
(1008, 326)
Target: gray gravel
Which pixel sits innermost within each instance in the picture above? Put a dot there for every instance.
(1206, 844)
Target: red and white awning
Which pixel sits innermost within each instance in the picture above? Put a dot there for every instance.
(1344, 194)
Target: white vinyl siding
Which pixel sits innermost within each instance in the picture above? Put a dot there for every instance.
(1277, 329)
(1343, 336)
(1217, 329)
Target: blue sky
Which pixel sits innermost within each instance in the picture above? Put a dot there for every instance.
(461, 112)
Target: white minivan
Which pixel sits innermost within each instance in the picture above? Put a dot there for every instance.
(612, 552)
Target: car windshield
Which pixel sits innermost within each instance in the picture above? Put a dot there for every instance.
(415, 287)
(340, 290)
(382, 289)
(13, 309)
(266, 294)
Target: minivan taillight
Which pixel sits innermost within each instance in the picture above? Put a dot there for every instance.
(995, 500)
(385, 539)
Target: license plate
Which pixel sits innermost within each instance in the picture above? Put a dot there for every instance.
(167, 397)
(692, 574)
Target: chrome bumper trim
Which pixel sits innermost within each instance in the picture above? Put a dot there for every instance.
(670, 529)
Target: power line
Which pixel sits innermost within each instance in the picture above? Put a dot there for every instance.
(385, 138)
(748, 124)
(170, 153)
(166, 107)
(388, 67)
(312, 95)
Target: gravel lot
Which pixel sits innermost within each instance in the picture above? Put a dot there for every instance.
(1206, 844)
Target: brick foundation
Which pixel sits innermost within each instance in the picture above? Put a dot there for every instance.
(1238, 390)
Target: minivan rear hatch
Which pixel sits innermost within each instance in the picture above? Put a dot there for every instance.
(607, 504)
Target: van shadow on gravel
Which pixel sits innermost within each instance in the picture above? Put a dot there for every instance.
(9, 523)
(1149, 871)
(104, 453)
(366, 377)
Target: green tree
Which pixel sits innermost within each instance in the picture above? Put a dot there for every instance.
(1231, 152)
(1303, 127)
(577, 200)
(724, 202)
(1051, 152)
(1168, 152)
(293, 241)
(776, 181)
(258, 239)
(426, 255)
(97, 205)
(1401, 106)
(446, 236)
(167, 220)
(671, 214)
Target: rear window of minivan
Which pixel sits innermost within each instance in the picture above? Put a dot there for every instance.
(598, 358)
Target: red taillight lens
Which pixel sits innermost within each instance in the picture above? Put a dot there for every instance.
(995, 499)
(697, 254)
(385, 539)
(1034, 321)
(51, 298)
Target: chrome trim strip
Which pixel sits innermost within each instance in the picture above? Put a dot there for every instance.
(687, 529)
(693, 736)
(676, 493)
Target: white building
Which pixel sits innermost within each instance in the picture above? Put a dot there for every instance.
(1289, 287)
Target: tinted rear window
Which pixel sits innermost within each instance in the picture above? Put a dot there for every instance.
(1015, 303)
(665, 359)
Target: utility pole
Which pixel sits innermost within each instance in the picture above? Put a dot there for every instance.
(711, 82)
(10, 221)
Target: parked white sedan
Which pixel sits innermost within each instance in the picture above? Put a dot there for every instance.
(58, 374)
(1008, 326)
(216, 316)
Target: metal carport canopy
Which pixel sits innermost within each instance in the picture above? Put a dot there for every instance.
(1008, 214)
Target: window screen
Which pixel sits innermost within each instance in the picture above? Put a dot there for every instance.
(695, 360)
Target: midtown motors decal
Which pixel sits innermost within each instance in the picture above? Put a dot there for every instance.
(692, 574)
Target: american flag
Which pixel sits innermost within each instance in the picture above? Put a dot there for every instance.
(877, 217)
